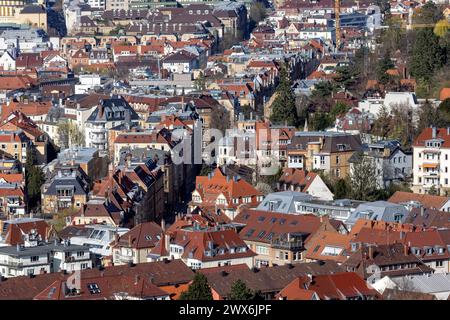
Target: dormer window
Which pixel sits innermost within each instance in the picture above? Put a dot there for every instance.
(429, 250)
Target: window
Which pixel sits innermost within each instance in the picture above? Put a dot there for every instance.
(261, 234)
(80, 254)
(272, 220)
(93, 288)
(337, 160)
(262, 250)
(84, 266)
(322, 160)
(439, 263)
(249, 233)
(34, 258)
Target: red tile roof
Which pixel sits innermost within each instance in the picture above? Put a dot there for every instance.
(339, 286)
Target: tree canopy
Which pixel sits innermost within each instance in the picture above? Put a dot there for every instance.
(283, 107)
(198, 289)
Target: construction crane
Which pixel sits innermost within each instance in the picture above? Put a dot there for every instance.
(337, 11)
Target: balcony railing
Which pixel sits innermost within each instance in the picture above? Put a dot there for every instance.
(124, 258)
(287, 245)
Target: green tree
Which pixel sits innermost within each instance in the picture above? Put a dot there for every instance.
(198, 289)
(283, 107)
(205, 170)
(342, 189)
(433, 191)
(346, 76)
(34, 179)
(444, 109)
(384, 64)
(339, 109)
(257, 13)
(427, 14)
(430, 116)
(320, 121)
(363, 178)
(240, 291)
(427, 55)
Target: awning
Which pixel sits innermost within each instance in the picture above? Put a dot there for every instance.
(430, 165)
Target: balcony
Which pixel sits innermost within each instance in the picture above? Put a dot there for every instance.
(12, 264)
(123, 258)
(98, 138)
(290, 245)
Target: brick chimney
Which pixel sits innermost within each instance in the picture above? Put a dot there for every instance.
(405, 249)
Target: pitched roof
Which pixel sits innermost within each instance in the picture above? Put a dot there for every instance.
(144, 235)
(338, 286)
(427, 134)
(265, 226)
(162, 273)
(426, 200)
(328, 245)
(266, 280)
(103, 288)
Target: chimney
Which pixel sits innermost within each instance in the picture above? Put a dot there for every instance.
(448, 131)
(163, 224)
(433, 132)
(422, 211)
(370, 252)
(405, 249)
(167, 242)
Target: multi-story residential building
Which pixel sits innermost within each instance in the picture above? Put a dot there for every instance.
(108, 114)
(272, 142)
(378, 210)
(307, 182)
(391, 163)
(431, 161)
(98, 239)
(293, 202)
(136, 244)
(175, 188)
(11, 231)
(219, 194)
(17, 121)
(203, 248)
(68, 187)
(373, 262)
(416, 200)
(327, 151)
(36, 257)
(15, 144)
(12, 200)
(431, 247)
(278, 238)
(88, 159)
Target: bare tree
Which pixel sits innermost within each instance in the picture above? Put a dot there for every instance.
(363, 177)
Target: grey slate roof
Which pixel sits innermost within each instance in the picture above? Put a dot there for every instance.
(283, 202)
(378, 210)
(331, 141)
(110, 107)
(40, 249)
